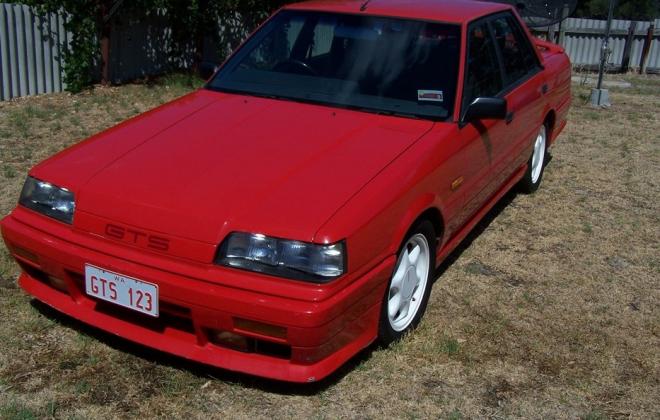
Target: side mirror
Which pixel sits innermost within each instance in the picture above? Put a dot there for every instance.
(485, 109)
(207, 69)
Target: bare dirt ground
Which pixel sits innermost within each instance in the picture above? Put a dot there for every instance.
(550, 309)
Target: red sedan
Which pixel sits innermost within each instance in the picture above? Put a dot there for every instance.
(293, 211)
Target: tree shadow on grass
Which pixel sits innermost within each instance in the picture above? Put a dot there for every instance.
(267, 385)
(475, 233)
(483, 224)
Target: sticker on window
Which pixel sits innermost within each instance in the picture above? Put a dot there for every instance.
(430, 95)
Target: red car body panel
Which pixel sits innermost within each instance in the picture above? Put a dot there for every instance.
(237, 151)
(156, 195)
(449, 11)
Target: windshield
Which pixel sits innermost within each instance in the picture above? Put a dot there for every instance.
(385, 65)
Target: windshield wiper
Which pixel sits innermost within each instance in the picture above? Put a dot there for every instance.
(360, 108)
(262, 95)
(380, 111)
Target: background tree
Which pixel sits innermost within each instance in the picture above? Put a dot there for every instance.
(625, 9)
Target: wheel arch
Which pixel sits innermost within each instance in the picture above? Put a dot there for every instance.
(433, 215)
(424, 209)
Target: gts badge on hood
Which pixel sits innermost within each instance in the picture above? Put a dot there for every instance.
(136, 237)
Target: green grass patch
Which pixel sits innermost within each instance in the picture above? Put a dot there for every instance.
(8, 171)
(594, 415)
(455, 414)
(449, 346)
(184, 81)
(17, 411)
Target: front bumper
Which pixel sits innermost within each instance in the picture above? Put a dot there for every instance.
(289, 339)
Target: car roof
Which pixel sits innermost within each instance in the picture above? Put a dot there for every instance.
(451, 11)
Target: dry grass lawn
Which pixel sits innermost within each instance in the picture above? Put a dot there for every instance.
(550, 309)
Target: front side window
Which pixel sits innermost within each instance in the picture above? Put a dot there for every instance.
(384, 65)
(517, 56)
(483, 77)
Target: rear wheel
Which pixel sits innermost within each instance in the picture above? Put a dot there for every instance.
(410, 286)
(536, 165)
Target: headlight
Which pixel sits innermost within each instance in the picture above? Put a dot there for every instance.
(48, 199)
(283, 258)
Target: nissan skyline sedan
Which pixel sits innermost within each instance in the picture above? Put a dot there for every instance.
(293, 211)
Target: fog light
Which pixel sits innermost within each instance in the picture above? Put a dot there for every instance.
(24, 253)
(229, 340)
(58, 284)
(260, 328)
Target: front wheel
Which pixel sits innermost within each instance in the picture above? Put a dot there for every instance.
(410, 286)
(534, 174)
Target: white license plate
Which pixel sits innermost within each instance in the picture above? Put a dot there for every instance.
(121, 290)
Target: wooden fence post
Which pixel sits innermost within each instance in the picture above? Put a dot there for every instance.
(646, 49)
(562, 28)
(551, 33)
(625, 61)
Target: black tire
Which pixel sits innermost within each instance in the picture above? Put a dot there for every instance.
(532, 179)
(387, 334)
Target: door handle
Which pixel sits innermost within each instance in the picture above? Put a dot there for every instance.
(544, 88)
(509, 117)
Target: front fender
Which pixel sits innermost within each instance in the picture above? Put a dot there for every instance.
(376, 221)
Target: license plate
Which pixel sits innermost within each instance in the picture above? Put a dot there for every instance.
(121, 290)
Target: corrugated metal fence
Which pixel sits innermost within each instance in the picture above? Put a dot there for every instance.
(584, 38)
(30, 52)
(31, 48)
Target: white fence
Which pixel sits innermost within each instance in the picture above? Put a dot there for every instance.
(31, 48)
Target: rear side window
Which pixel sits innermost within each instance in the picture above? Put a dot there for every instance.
(517, 55)
(324, 34)
(483, 76)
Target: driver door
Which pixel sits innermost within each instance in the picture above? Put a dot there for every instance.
(483, 139)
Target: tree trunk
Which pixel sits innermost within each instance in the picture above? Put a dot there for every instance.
(106, 29)
(200, 33)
